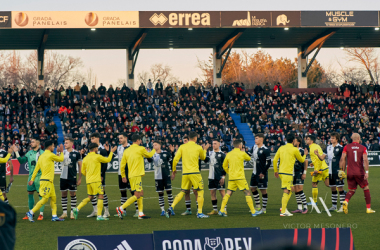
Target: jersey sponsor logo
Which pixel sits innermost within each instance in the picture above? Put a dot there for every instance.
(80, 244)
(337, 150)
(219, 155)
(124, 246)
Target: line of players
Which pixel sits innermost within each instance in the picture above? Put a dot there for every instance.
(162, 161)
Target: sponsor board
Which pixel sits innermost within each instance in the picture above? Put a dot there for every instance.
(340, 18)
(107, 242)
(5, 19)
(179, 19)
(208, 239)
(74, 19)
(374, 158)
(246, 19)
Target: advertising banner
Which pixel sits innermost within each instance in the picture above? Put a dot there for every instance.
(107, 242)
(374, 158)
(254, 19)
(339, 18)
(5, 19)
(74, 19)
(208, 239)
(179, 19)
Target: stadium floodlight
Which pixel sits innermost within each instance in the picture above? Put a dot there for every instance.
(341, 47)
(83, 49)
(286, 28)
(259, 48)
(170, 48)
(190, 28)
(93, 29)
(377, 28)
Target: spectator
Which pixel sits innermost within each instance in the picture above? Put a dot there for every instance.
(102, 90)
(77, 91)
(149, 87)
(159, 88)
(278, 89)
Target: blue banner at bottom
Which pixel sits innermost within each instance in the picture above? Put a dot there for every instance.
(107, 242)
(215, 239)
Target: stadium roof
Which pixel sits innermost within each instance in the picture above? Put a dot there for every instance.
(194, 29)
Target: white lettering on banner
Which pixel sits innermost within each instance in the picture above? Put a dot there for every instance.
(248, 245)
(187, 245)
(229, 244)
(166, 243)
(237, 240)
(177, 243)
(187, 19)
(339, 13)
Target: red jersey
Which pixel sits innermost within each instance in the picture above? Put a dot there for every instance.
(355, 152)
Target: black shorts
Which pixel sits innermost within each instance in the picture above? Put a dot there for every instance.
(214, 184)
(103, 180)
(124, 186)
(3, 183)
(335, 181)
(297, 179)
(68, 184)
(256, 182)
(164, 184)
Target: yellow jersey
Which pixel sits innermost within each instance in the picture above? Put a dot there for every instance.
(46, 164)
(190, 154)
(318, 164)
(134, 157)
(233, 164)
(91, 166)
(5, 159)
(287, 155)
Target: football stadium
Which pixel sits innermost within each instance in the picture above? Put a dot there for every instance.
(219, 164)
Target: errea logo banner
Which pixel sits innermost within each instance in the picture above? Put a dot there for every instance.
(208, 239)
(178, 19)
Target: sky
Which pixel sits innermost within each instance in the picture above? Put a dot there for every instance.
(110, 65)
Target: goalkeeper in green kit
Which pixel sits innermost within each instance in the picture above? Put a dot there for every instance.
(31, 159)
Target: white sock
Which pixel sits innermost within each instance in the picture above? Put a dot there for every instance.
(42, 213)
(30, 211)
(141, 213)
(163, 209)
(54, 215)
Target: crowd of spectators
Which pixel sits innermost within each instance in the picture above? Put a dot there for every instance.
(168, 112)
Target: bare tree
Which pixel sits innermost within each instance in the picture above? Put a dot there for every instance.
(143, 77)
(366, 57)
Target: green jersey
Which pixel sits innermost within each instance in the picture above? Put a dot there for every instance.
(31, 158)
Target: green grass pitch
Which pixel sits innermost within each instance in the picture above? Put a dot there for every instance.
(43, 234)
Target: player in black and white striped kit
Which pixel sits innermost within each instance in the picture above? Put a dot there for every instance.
(71, 165)
(216, 174)
(123, 187)
(259, 180)
(162, 161)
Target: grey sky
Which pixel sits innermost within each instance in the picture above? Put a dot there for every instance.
(109, 65)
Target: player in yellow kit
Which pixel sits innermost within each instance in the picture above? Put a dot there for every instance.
(5, 160)
(321, 170)
(190, 154)
(46, 164)
(287, 155)
(91, 169)
(134, 157)
(233, 165)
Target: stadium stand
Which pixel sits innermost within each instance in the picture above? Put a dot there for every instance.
(170, 112)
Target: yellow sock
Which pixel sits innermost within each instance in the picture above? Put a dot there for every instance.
(1, 196)
(285, 199)
(315, 194)
(178, 198)
(83, 203)
(200, 201)
(100, 206)
(224, 203)
(39, 204)
(53, 205)
(140, 204)
(249, 200)
(129, 202)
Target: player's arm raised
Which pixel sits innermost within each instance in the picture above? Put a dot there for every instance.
(320, 154)
(6, 158)
(147, 154)
(103, 159)
(298, 155)
(203, 153)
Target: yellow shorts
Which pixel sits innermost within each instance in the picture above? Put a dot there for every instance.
(286, 181)
(47, 189)
(136, 184)
(235, 184)
(1, 196)
(321, 177)
(194, 180)
(95, 188)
